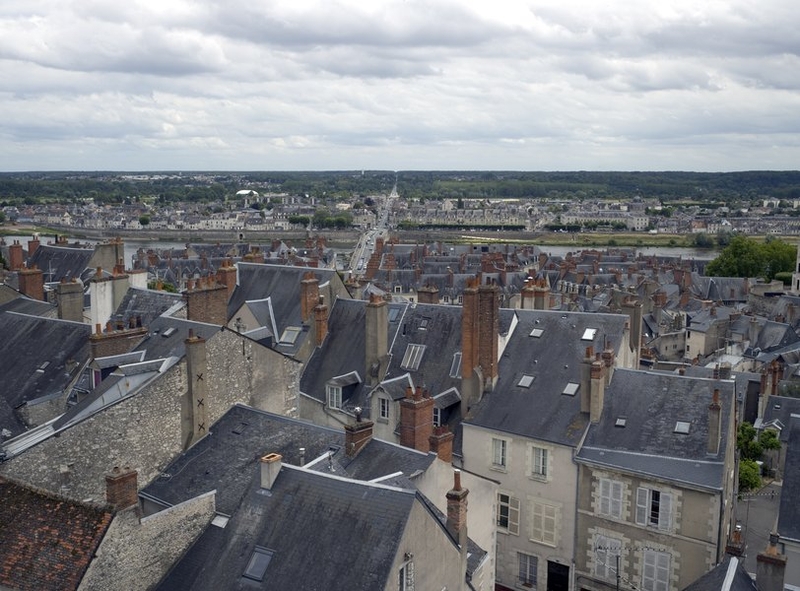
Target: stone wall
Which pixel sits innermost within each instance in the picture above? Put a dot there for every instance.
(144, 431)
(136, 554)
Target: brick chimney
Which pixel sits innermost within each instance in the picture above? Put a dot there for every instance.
(208, 303)
(31, 283)
(586, 380)
(226, 275)
(376, 339)
(270, 468)
(33, 245)
(457, 517)
(416, 419)
(357, 435)
(114, 342)
(320, 321)
(480, 326)
(122, 490)
(714, 424)
(771, 566)
(69, 295)
(15, 258)
(428, 294)
(309, 295)
(441, 443)
(633, 309)
(194, 403)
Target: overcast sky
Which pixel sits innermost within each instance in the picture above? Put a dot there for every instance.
(701, 85)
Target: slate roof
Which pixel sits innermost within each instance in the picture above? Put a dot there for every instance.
(789, 515)
(26, 305)
(783, 409)
(553, 359)
(146, 304)
(162, 342)
(730, 570)
(59, 262)
(337, 535)
(39, 357)
(46, 542)
(652, 403)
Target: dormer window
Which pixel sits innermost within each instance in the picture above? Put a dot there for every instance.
(334, 396)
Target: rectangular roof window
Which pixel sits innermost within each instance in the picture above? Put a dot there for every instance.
(423, 323)
(537, 332)
(257, 566)
(571, 389)
(290, 335)
(682, 427)
(169, 332)
(455, 367)
(526, 381)
(220, 521)
(621, 422)
(589, 334)
(393, 314)
(412, 357)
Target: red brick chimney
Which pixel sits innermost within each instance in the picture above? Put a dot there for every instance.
(33, 245)
(428, 294)
(441, 443)
(31, 283)
(320, 321)
(208, 303)
(15, 258)
(122, 490)
(457, 517)
(309, 295)
(226, 275)
(114, 342)
(416, 419)
(357, 435)
(771, 566)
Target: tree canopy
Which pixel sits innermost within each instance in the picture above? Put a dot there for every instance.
(745, 257)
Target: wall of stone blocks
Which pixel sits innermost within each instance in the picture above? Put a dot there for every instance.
(137, 554)
(143, 432)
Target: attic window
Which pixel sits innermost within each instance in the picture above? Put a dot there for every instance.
(621, 422)
(169, 332)
(423, 323)
(455, 367)
(412, 357)
(290, 335)
(393, 314)
(257, 566)
(537, 332)
(526, 381)
(682, 427)
(220, 521)
(589, 334)
(571, 389)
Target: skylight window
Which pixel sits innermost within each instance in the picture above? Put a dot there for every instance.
(393, 314)
(412, 357)
(455, 367)
(571, 389)
(526, 381)
(682, 427)
(169, 332)
(290, 335)
(589, 334)
(220, 521)
(423, 323)
(537, 332)
(257, 566)
(621, 422)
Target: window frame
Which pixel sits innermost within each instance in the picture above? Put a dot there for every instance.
(540, 458)
(608, 497)
(650, 562)
(539, 514)
(529, 575)
(383, 408)
(654, 508)
(334, 396)
(508, 520)
(603, 545)
(405, 576)
(499, 460)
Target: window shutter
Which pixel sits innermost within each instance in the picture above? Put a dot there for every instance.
(642, 495)
(665, 511)
(513, 515)
(549, 525)
(616, 499)
(605, 494)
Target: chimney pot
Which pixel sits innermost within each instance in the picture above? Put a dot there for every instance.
(270, 467)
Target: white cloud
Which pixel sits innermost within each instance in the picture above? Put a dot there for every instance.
(302, 84)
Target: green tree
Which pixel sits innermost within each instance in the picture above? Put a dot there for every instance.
(769, 440)
(749, 478)
(743, 257)
(779, 257)
(144, 220)
(746, 442)
(702, 240)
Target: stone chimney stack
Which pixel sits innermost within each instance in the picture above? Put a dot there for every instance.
(70, 300)
(771, 567)
(309, 295)
(457, 516)
(320, 321)
(597, 386)
(428, 294)
(270, 468)
(357, 435)
(416, 419)
(194, 404)
(377, 339)
(122, 490)
(31, 283)
(714, 424)
(633, 309)
(15, 258)
(586, 380)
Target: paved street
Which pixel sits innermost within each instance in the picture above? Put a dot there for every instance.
(757, 515)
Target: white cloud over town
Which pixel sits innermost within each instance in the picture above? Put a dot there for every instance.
(405, 84)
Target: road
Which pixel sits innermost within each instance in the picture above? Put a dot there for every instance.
(366, 244)
(757, 515)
